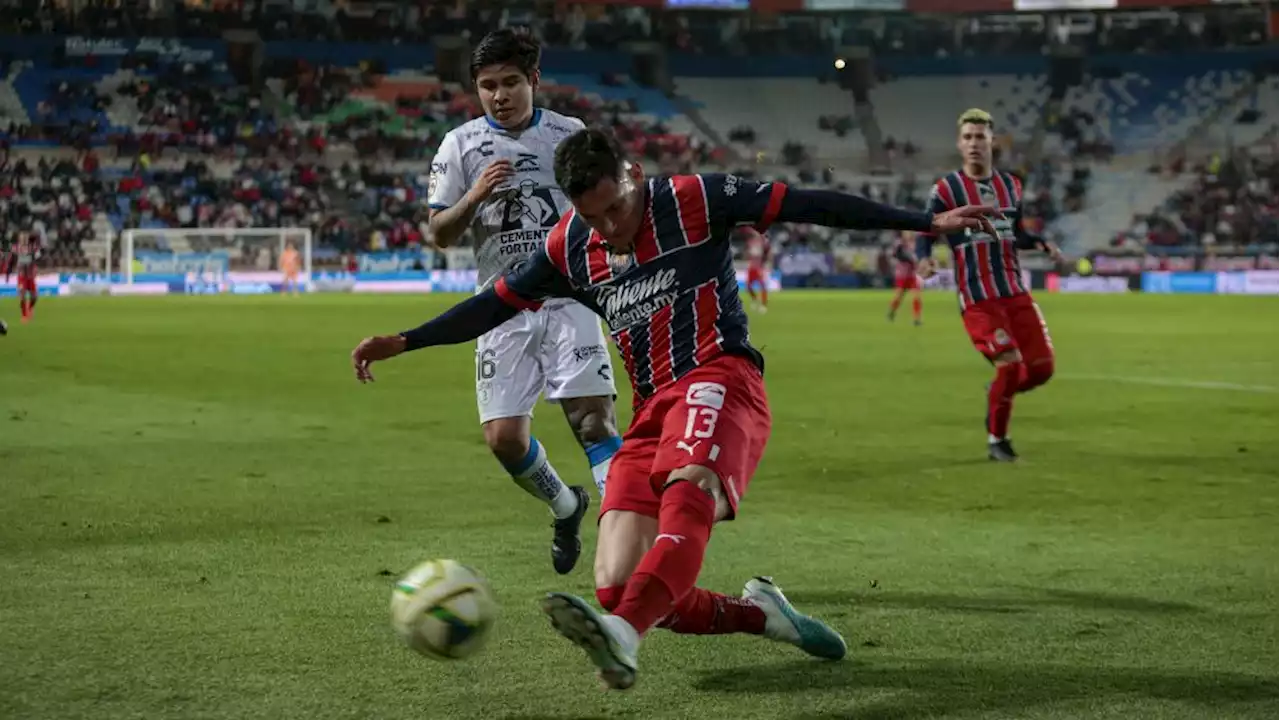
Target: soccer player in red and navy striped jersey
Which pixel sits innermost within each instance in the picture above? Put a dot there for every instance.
(23, 258)
(1002, 320)
(651, 256)
(905, 278)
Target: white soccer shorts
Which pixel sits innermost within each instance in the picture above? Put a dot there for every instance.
(558, 351)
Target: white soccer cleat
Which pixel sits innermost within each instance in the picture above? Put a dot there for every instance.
(611, 643)
(784, 623)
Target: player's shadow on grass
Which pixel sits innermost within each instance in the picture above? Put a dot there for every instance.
(943, 687)
(1031, 599)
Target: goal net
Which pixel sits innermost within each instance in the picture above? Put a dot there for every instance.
(215, 260)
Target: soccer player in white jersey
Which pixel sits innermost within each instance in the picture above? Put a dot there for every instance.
(495, 176)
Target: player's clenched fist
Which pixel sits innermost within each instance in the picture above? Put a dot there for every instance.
(497, 173)
(968, 217)
(373, 349)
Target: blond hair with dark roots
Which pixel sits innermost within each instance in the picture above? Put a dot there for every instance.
(977, 116)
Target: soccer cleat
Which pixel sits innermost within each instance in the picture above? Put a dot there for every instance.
(610, 642)
(1001, 451)
(4, 328)
(566, 544)
(785, 624)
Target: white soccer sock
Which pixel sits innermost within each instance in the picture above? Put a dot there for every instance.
(600, 456)
(536, 476)
(992, 439)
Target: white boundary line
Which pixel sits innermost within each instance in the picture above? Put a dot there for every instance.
(1176, 383)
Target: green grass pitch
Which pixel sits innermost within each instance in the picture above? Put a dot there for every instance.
(202, 515)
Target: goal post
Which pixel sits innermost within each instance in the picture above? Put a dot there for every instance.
(215, 256)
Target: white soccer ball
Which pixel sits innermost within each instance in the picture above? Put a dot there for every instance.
(443, 609)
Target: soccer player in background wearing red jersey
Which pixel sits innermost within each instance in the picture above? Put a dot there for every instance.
(22, 259)
(905, 278)
(651, 256)
(759, 255)
(1002, 320)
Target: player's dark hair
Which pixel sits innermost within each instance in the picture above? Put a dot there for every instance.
(508, 46)
(585, 158)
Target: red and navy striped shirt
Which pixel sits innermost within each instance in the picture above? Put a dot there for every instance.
(673, 303)
(986, 267)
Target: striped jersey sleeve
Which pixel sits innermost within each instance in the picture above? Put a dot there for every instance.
(939, 201)
(737, 201)
(533, 281)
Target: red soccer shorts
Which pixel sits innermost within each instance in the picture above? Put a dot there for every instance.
(717, 416)
(755, 276)
(907, 282)
(27, 281)
(1002, 324)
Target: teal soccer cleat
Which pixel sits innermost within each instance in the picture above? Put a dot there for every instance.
(786, 624)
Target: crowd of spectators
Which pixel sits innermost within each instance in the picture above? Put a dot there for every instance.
(280, 148)
(1231, 204)
(606, 26)
(72, 202)
(192, 112)
(61, 200)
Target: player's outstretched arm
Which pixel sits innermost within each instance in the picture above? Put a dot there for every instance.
(463, 322)
(837, 209)
(523, 288)
(762, 204)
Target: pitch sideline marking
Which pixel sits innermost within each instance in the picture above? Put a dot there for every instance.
(1175, 383)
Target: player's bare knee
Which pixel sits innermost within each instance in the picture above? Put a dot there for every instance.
(591, 419)
(508, 439)
(611, 571)
(621, 542)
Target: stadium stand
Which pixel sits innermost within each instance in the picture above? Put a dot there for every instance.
(127, 117)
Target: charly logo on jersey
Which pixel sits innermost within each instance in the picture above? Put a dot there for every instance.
(528, 214)
(626, 303)
(526, 162)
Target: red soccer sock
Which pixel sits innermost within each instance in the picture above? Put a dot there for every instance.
(26, 307)
(702, 612)
(895, 303)
(1000, 399)
(916, 307)
(668, 571)
(609, 597)
(764, 294)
